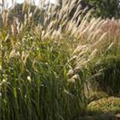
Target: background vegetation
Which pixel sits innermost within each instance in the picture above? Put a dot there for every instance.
(101, 8)
(105, 8)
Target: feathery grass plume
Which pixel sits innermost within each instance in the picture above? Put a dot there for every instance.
(99, 40)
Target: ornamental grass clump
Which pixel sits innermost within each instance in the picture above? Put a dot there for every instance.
(34, 64)
(48, 59)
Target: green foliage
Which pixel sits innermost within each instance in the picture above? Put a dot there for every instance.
(108, 70)
(106, 8)
(104, 72)
(19, 11)
(101, 8)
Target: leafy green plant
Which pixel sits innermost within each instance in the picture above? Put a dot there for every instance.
(106, 73)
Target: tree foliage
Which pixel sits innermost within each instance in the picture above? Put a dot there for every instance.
(105, 8)
(102, 8)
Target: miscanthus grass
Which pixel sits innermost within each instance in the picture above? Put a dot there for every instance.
(49, 58)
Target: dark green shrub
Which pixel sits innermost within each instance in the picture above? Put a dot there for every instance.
(106, 8)
(106, 73)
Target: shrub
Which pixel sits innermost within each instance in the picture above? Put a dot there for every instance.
(106, 73)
